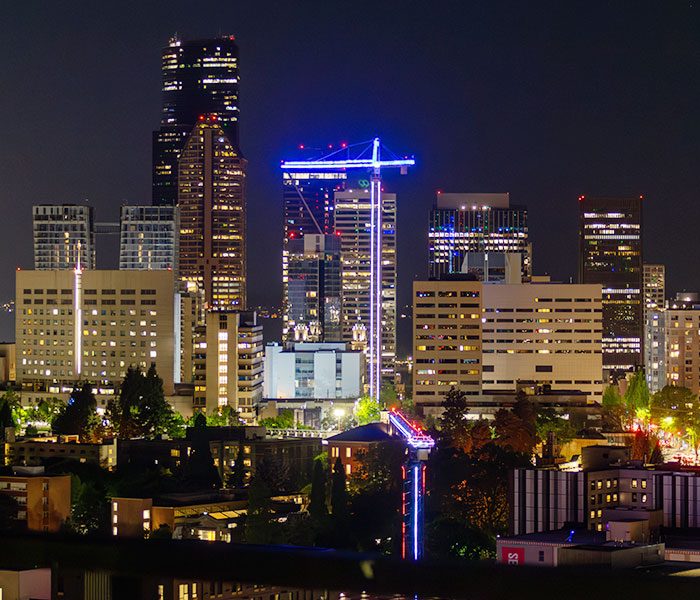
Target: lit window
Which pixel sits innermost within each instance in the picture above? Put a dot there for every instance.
(634, 483)
(348, 452)
(348, 469)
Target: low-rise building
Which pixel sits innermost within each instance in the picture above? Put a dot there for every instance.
(349, 445)
(39, 451)
(313, 371)
(43, 501)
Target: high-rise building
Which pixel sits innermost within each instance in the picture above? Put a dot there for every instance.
(61, 232)
(149, 238)
(93, 325)
(308, 203)
(312, 289)
(654, 285)
(229, 363)
(199, 77)
(352, 225)
(488, 338)
(211, 196)
(610, 254)
(467, 229)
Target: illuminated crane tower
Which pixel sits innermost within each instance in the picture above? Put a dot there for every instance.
(419, 446)
(368, 156)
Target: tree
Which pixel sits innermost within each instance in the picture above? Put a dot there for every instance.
(199, 420)
(236, 478)
(6, 417)
(89, 509)
(449, 538)
(199, 472)
(284, 420)
(340, 506)
(637, 395)
(548, 421)
(454, 427)
(615, 414)
(154, 414)
(513, 432)
(8, 513)
(79, 416)
(162, 533)
(275, 473)
(317, 504)
(388, 395)
(367, 410)
(259, 528)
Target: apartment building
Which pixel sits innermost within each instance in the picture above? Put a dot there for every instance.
(43, 501)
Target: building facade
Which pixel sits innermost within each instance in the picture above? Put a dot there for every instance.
(484, 338)
(654, 286)
(62, 234)
(72, 326)
(325, 371)
(352, 225)
(199, 77)
(211, 196)
(610, 254)
(43, 501)
(228, 364)
(465, 229)
(311, 282)
(148, 238)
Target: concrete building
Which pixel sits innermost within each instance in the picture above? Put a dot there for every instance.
(352, 218)
(610, 254)
(486, 338)
(149, 237)
(43, 501)
(654, 286)
(8, 361)
(447, 339)
(228, 363)
(61, 233)
(37, 452)
(92, 325)
(546, 333)
(467, 231)
(313, 371)
(211, 198)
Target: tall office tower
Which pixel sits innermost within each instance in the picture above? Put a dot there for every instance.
(654, 285)
(229, 363)
(469, 230)
(312, 289)
(610, 254)
(199, 77)
(59, 230)
(213, 216)
(149, 238)
(352, 225)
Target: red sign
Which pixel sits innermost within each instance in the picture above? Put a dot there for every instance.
(512, 556)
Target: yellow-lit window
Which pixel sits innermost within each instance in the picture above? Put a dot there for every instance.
(634, 483)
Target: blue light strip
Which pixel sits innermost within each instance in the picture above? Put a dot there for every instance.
(352, 163)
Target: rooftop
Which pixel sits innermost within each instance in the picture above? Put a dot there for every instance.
(373, 432)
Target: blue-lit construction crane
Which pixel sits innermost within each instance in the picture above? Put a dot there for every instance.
(368, 156)
(413, 494)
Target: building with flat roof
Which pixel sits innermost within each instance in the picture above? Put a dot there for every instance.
(485, 338)
(32, 452)
(43, 501)
(467, 228)
(610, 254)
(72, 326)
(149, 237)
(318, 371)
(62, 234)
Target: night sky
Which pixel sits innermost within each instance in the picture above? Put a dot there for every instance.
(545, 100)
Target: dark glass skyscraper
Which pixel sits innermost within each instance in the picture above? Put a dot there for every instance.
(610, 253)
(199, 77)
(466, 227)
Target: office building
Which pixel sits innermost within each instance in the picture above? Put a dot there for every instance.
(352, 225)
(475, 233)
(308, 202)
(228, 364)
(62, 232)
(211, 197)
(610, 254)
(199, 77)
(485, 338)
(311, 283)
(93, 325)
(447, 339)
(545, 334)
(149, 238)
(43, 501)
(654, 286)
(313, 371)
(655, 348)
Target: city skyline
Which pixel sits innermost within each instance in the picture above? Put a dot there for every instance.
(481, 139)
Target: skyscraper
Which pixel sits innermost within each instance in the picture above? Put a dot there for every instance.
(654, 286)
(59, 230)
(610, 254)
(212, 216)
(312, 289)
(466, 230)
(148, 237)
(199, 77)
(352, 224)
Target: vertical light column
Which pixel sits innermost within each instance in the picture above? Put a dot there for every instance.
(77, 316)
(372, 299)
